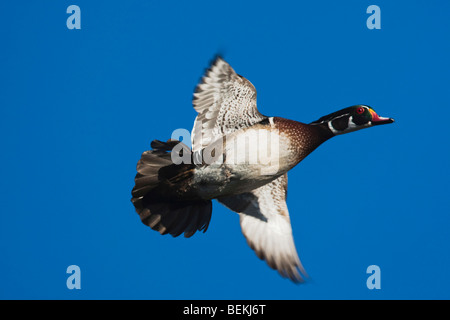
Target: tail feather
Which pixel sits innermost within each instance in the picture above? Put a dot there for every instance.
(154, 199)
(178, 229)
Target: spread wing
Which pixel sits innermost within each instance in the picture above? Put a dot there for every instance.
(225, 102)
(265, 223)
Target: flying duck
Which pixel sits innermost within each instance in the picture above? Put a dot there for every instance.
(240, 158)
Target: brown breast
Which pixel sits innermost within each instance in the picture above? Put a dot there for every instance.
(303, 138)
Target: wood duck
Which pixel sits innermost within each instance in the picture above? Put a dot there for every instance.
(241, 158)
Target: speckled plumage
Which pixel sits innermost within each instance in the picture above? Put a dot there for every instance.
(225, 102)
(302, 138)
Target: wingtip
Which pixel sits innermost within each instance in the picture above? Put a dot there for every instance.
(297, 276)
(218, 58)
(220, 54)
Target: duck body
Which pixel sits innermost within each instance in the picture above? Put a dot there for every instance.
(255, 156)
(240, 158)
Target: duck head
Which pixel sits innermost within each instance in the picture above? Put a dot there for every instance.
(351, 119)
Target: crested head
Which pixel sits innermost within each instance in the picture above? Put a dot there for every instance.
(351, 119)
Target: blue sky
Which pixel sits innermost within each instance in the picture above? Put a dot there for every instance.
(78, 107)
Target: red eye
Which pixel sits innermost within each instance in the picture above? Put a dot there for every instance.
(360, 110)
